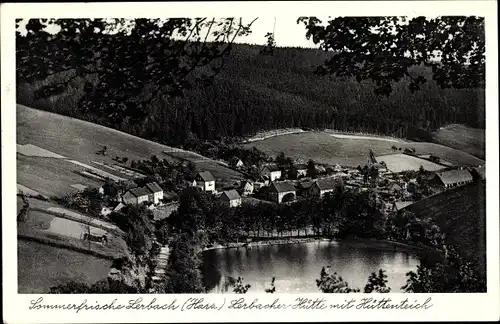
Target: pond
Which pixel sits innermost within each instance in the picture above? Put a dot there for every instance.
(297, 266)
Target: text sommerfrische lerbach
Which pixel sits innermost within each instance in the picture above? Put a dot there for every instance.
(238, 304)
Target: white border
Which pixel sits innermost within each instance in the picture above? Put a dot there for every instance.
(446, 306)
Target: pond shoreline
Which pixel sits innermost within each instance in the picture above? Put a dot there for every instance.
(374, 243)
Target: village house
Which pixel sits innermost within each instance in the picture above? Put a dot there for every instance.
(450, 178)
(231, 198)
(112, 207)
(247, 188)
(205, 181)
(323, 186)
(156, 192)
(301, 170)
(400, 205)
(282, 192)
(236, 163)
(271, 171)
(136, 196)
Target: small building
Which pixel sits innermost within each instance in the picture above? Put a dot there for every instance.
(236, 163)
(323, 186)
(156, 192)
(247, 188)
(320, 169)
(205, 181)
(231, 198)
(451, 178)
(136, 196)
(399, 205)
(271, 171)
(301, 170)
(282, 192)
(395, 189)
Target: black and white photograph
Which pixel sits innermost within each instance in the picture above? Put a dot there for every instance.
(251, 154)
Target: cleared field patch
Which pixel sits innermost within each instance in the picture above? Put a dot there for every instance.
(454, 156)
(403, 162)
(362, 137)
(467, 139)
(50, 177)
(33, 150)
(324, 147)
(97, 171)
(41, 267)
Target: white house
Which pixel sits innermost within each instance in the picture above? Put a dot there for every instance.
(136, 196)
(323, 186)
(271, 171)
(247, 188)
(282, 191)
(156, 192)
(301, 170)
(205, 181)
(231, 198)
(236, 163)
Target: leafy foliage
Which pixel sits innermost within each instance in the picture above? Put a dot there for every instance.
(333, 283)
(383, 49)
(240, 287)
(377, 283)
(454, 274)
(106, 286)
(147, 53)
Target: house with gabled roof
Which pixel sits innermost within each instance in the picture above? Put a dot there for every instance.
(451, 178)
(322, 186)
(301, 170)
(247, 188)
(136, 196)
(271, 171)
(156, 192)
(205, 181)
(231, 198)
(283, 191)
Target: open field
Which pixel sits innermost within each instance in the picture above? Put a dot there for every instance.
(41, 267)
(79, 141)
(460, 137)
(404, 162)
(50, 177)
(322, 147)
(352, 150)
(461, 214)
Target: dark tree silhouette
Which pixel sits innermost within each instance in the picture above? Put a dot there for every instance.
(383, 49)
(154, 54)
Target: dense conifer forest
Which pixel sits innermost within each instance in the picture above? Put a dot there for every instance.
(257, 92)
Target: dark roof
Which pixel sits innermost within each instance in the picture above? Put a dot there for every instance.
(300, 166)
(231, 195)
(139, 192)
(454, 176)
(153, 187)
(284, 186)
(396, 186)
(206, 176)
(328, 183)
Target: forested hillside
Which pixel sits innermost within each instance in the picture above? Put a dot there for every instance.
(257, 92)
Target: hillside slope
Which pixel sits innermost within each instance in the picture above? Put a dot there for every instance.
(77, 140)
(461, 214)
(460, 137)
(257, 92)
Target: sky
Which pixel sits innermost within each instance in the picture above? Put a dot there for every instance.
(287, 31)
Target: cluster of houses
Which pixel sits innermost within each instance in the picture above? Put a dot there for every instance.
(394, 195)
